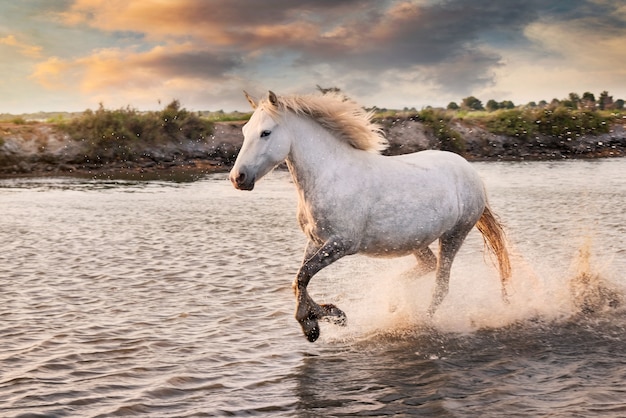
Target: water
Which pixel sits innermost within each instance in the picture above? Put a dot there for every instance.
(174, 299)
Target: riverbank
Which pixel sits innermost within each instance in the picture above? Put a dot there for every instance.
(43, 149)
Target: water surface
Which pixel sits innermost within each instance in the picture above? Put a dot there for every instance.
(174, 299)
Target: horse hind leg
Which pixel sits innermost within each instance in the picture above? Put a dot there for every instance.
(449, 245)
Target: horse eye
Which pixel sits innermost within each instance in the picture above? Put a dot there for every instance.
(265, 134)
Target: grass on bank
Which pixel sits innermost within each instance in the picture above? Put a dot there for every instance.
(127, 134)
(559, 122)
(522, 123)
(120, 134)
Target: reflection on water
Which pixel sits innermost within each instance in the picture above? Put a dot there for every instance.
(159, 298)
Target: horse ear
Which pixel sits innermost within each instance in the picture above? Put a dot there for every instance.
(273, 99)
(250, 99)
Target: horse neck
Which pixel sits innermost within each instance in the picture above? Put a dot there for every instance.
(316, 156)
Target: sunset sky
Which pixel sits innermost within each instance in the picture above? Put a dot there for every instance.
(72, 54)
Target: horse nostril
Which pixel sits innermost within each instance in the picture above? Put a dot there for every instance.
(241, 178)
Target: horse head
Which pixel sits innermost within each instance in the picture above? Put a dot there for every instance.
(265, 144)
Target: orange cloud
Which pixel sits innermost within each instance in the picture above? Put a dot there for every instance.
(53, 74)
(31, 51)
(157, 19)
(163, 71)
(216, 23)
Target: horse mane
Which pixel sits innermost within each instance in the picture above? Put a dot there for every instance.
(343, 117)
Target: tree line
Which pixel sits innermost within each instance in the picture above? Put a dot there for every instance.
(586, 101)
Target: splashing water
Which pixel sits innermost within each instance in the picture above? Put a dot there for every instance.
(590, 290)
(557, 271)
(115, 302)
(391, 300)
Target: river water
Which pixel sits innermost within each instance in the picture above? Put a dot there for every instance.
(173, 299)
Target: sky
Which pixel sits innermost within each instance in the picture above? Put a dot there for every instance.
(72, 55)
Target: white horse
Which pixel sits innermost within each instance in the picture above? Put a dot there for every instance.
(354, 200)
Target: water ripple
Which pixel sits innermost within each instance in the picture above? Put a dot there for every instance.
(160, 299)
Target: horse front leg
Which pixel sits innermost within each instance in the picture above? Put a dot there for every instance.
(308, 313)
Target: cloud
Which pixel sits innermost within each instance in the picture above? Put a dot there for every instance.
(588, 42)
(30, 51)
(116, 68)
(120, 75)
(576, 47)
(440, 39)
(396, 52)
(52, 74)
(440, 44)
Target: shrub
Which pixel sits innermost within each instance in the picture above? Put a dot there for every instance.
(438, 121)
(512, 123)
(557, 122)
(119, 134)
(18, 120)
(563, 122)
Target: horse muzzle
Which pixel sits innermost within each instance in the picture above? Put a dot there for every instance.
(241, 180)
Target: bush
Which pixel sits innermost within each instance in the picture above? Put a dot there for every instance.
(18, 121)
(512, 123)
(438, 121)
(120, 134)
(556, 122)
(564, 122)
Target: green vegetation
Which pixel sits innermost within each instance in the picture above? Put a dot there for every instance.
(221, 116)
(56, 119)
(569, 118)
(121, 134)
(560, 122)
(438, 121)
(18, 120)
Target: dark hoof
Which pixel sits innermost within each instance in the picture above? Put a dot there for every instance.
(313, 334)
(311, 329)
(334, 314)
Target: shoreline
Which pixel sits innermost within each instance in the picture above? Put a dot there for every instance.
(39, 150)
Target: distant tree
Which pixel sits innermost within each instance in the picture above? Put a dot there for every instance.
(588, 100)
(507, 104)
(555, 103)
(531, 104)
(542, 103)
(587, 96)
(568, 104)
(452, 106)
(606, 101)
(492, 105)
(574, 100)
(472, 103)
(328, 90)
(619, 104)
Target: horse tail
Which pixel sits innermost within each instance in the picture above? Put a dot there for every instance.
(495, 240)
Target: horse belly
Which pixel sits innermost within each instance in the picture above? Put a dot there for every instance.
(411, 213)
(405, 232)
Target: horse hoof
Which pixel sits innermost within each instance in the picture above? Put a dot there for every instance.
(313, 334)
(334, 314)
(311, 329)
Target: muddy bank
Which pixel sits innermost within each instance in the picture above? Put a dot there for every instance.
(41, 149)
(478, 144)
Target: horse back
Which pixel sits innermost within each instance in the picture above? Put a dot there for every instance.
(420, 197)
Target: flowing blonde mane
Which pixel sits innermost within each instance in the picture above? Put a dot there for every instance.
(345, 118)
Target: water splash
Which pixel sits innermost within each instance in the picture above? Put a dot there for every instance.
(390, 300)
(590, 291)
